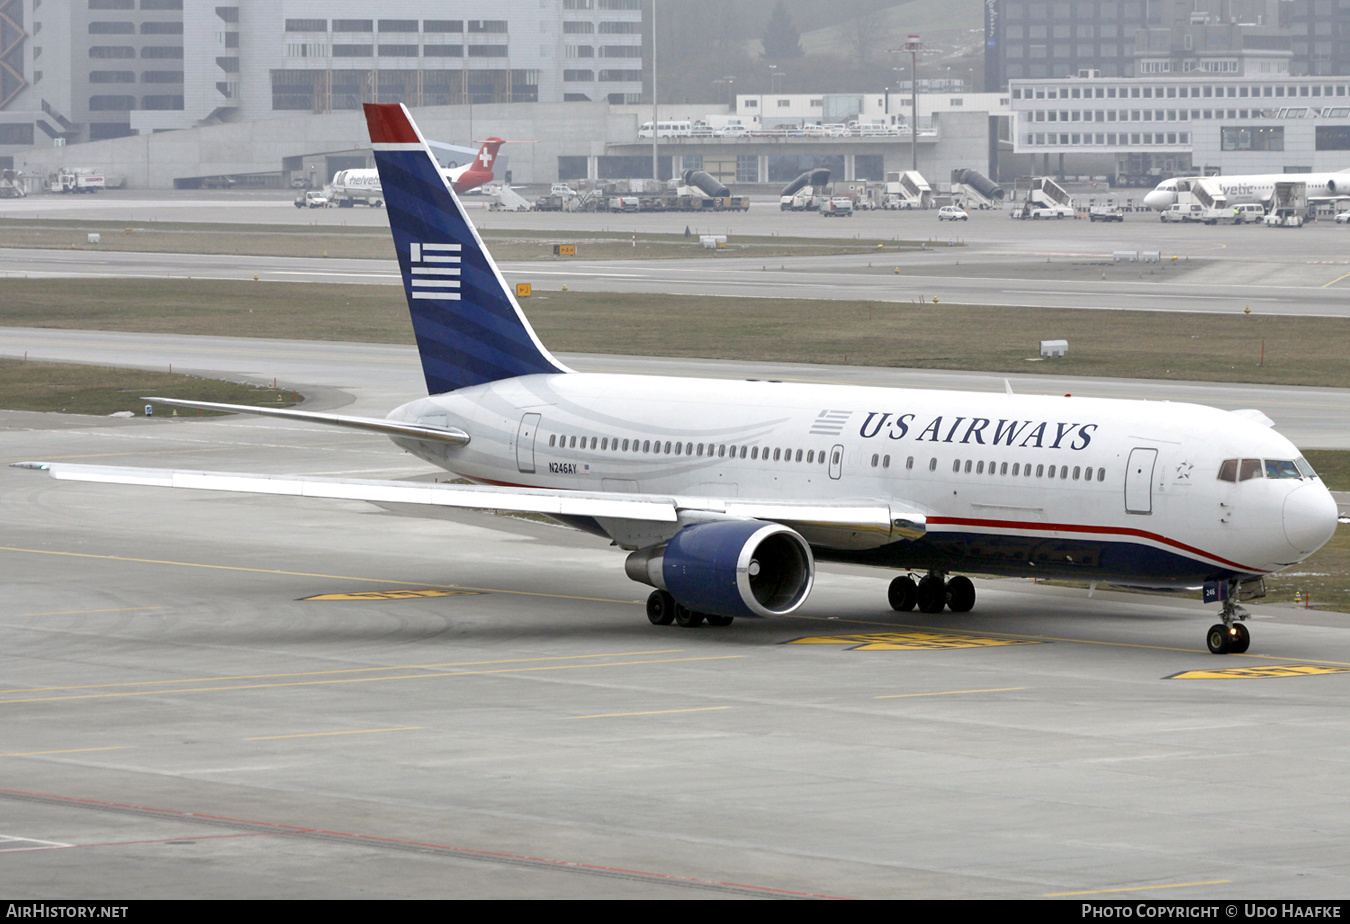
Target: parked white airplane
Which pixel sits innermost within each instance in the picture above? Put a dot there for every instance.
(362, 181)
(726, 493)
(1257, 187)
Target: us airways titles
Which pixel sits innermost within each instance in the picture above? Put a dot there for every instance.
(983, 431)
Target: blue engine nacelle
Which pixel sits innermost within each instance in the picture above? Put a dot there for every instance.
(730, 568)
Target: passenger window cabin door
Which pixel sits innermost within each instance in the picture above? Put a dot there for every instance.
(1139, 481)
(529, 426)
(836, 461)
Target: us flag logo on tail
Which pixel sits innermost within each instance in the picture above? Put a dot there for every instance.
(435, 270)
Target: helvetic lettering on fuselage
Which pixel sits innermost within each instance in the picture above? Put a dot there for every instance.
(725, 493)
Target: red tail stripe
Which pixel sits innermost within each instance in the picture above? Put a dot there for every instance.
(389, 124)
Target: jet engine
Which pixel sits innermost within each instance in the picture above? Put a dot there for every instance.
(730, 568)
(1339, 185)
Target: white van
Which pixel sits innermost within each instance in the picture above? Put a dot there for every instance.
(664, 129)
(1183, 211)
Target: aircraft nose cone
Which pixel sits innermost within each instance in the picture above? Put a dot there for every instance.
(1156, 200)
(1309, 517)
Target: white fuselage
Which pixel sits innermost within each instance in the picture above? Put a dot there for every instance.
(1126, 491)
(365, 181)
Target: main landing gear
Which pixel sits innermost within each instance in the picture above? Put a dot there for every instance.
(931, 593)
(663, 609)
(1230, 637)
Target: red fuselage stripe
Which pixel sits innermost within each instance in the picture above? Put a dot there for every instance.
(1093, 530)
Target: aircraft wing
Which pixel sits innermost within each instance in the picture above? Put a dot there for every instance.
(374, 424)
(865, 522)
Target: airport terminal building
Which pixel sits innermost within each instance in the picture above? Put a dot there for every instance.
(90, 70)
(189, 92)
(1165, 125)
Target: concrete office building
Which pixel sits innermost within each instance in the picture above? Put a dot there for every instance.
(86, 70)
(1149, 127)
(1140, 38)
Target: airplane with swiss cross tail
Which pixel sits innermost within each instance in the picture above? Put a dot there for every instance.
(725, 494)
(363, 183)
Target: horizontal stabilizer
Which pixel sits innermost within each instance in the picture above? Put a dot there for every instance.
(374, 424)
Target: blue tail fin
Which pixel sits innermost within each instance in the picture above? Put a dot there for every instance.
(469, 328)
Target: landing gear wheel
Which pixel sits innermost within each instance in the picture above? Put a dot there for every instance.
(960, 595)
(1232, 636)
(1219, 640)
(660, 608)
(719, 622)
(686, 618)
(932, 594)
(903, 594)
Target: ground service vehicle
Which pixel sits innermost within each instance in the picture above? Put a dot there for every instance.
(1041, 197)
(837, 207)
(1243, 214)
(1182, 212)
(76, 180)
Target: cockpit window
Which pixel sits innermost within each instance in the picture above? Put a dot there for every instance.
(1245, 469)
(1281, 468)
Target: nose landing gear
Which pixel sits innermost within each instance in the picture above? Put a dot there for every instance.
(1230, 636)
(1230, 639)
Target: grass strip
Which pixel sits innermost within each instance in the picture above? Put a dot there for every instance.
(374, 242)
(1125, 344)
(100, 390)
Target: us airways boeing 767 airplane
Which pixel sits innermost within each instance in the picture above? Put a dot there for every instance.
(725, 494)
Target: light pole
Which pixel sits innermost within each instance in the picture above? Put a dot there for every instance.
(656, 124)
(913, 46)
